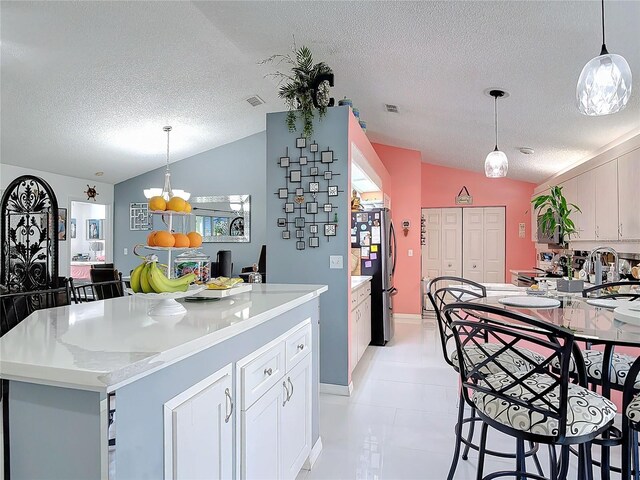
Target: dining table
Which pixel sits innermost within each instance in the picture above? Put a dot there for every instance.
(590, 323)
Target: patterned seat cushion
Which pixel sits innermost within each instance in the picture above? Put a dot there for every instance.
(633, 410)
(587, 411)
(620, 365)
(509, 359)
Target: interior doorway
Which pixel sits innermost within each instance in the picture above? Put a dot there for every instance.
(88, 237)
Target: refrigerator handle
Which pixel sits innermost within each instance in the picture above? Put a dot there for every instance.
(392, 247)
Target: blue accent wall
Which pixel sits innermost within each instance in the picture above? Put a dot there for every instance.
(235, 168)
(285, 264)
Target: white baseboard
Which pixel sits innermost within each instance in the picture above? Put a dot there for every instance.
(407, 318)
(313, 456)
(333, 389)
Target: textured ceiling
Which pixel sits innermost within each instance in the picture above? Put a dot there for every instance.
(87, 86)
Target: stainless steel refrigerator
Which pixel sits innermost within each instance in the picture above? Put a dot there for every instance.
(373, 236)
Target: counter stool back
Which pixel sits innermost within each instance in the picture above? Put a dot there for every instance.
(90, 292)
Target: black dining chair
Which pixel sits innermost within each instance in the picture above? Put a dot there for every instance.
(459, 289)
(14, 308)
(536, 404)
(631, 424)
(90, 292)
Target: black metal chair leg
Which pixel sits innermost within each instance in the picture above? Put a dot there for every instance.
(458, 431)
(4, 392)
(634, 454)
(467, 447)
(626, 449)
(536, 461)
(564, 463)
(553, 463)
(481, 451)
(585, 468)
(521, 465)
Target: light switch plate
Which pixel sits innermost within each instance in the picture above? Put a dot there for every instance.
(126, 251)
(411, 252)
(521, 230)
(335, 261)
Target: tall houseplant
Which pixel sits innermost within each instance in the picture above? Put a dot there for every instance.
(305, 88)
(555, 213)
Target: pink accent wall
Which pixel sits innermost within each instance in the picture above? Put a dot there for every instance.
(404, 189)
(440, 185)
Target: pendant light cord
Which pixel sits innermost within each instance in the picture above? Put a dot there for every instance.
(603, 51)
(495, 115)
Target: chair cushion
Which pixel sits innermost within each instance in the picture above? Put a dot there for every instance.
(587, 411)
(633, 410)
(620, 365)
(510, 360)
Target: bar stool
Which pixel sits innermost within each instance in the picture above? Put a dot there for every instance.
(538, 404)
(461, 289)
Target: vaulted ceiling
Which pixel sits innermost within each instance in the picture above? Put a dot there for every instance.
(88, 86)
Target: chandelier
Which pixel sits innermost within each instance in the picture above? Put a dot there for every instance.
(166, 192)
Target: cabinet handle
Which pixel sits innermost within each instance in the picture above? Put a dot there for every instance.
(449, 265)
(284, 384)
(290, 383)
(620, 230)
(230, 410)
(597, 231)
(301, 346)
(268, 372)
(474, 265)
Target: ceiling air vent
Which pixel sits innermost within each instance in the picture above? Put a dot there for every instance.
(255, 100)
(391, 108)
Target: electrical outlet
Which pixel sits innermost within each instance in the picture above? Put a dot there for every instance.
(335, 261)
(126, 251)
(410, 252)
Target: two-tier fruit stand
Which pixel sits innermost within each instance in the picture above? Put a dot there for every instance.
(169, 250)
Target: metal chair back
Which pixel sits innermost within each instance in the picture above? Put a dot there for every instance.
(90, 292)
(608, 290)
(537, 391)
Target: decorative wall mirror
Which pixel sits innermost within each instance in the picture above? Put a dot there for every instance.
(222, 218)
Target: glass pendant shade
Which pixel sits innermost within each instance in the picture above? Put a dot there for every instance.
(166, 192)
(604, 86)
(496, 164)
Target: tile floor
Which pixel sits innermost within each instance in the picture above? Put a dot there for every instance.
(398, 423)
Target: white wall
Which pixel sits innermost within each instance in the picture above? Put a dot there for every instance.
(67, 189)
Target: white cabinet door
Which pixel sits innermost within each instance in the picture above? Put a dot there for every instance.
(198, 430)
(261, 433)
(570, 192)
(473, 244)
(353, 339)
(451, 239)
(494, 244)
(586, 195)
(431, 259)
(628, 188)
(606, 177)
(364, 327)
(295, 436)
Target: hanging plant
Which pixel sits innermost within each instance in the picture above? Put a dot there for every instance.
(304, 89)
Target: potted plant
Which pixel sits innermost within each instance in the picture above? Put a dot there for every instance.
(555, 215)
(306, 88)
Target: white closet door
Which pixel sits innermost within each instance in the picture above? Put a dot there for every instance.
(473, 244)
(431, 252)
(452, 242)
(494, 244)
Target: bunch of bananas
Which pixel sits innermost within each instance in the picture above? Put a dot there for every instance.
(148, 278)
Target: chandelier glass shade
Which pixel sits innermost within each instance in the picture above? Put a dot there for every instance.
(605, 83)
(166, 191)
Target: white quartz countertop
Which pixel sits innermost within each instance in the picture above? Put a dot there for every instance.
(358, 280)
(105, 344)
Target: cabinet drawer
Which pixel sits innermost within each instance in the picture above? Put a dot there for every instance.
(298, 345)
(364, 292)
(262, 373)
(354, 298)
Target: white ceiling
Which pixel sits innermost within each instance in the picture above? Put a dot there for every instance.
(88, 86)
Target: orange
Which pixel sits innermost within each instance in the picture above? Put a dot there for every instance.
(187, 207)
(164, 239)
(157, 204)
(182, 241)
(195, 239)
(176, 204)
(150, 239)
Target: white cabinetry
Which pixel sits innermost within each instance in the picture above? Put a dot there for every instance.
(198, 430)
(275, 427)
(628, 190)
(586, 221)
(570, 192)
(606, 181)
(360, 323)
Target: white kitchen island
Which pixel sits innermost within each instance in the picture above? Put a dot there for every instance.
(192, 392)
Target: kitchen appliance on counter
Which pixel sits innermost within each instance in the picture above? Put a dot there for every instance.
(372, 234)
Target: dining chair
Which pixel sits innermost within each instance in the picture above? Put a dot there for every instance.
(14, 308)
(536, 404)
(459, 289)
(90, 292)
(98, 275)
(631, 424)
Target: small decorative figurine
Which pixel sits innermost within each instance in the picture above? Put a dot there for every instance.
(355, 202)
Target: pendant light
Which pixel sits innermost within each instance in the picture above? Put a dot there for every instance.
(166, 192)
(496, 164)
(604, 85)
